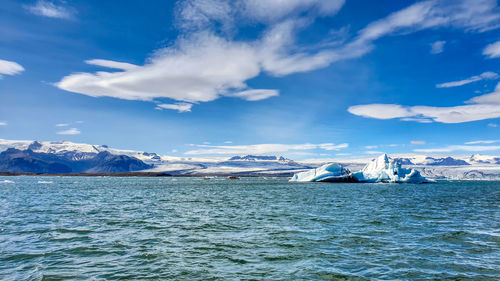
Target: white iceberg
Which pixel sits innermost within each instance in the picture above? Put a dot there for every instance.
(381, 169)
(330, 172)
(384, 169)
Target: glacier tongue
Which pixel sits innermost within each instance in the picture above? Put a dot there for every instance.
(384, 169)
(329, 172)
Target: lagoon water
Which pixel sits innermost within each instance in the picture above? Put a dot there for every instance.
(55, 228)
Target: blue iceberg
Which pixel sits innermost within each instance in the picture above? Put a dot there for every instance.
(384, 169)
(381, 169)
(331, 172)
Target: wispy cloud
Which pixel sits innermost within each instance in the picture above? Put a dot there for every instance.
(372, 152)
(256, 95)
(371, 146)
(492, 50)
(482, 142)
(483, 76)
(185, 72)
(261, 149)
(478, 108)
(2, 123)
(50, 9)
(492, 125)
(111, 64)
(418, 142)
(71, 131)
(181, 107)
(10, 68)
(437, 47)
(451, 148)
(62, 125)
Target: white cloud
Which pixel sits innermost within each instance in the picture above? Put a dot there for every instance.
(2, 123)
(204, 14)
(205, 64)
(373, 152)
(181, 107)
(371, 146)
(380, 111)
(260, 149)
(483, 142)
(274, 10)
(492, 50)
(256, 95)
(228, 142)
(10, 67)
(492, 125)
(437, 47)
(470, 148)
(418, 142)
(79, 122)
(49, 9)
(72, 131)
(111, 64)
(62, 125)
(483, 76)
(478, 108)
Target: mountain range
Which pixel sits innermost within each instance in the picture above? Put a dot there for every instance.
(68, 157)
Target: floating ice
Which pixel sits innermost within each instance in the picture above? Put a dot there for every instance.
(329, 172)
(384, 169)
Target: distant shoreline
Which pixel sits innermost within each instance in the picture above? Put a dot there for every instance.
(137, 174)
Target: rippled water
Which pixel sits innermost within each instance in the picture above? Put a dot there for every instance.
(193, 229)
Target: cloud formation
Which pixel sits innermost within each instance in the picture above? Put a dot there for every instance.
(50, 10)
(10, 68)
(451, 148)
(478, 108)
(71, 131)
(418, 142)
(206, 63)
(483, 142)
(260, 149)
(492, 50)
(483, 76)
(2, 123)
(181, 107)
(437, 47)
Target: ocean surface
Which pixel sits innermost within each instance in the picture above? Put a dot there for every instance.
(81, 228)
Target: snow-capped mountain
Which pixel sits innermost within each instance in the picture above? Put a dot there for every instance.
(85, 155)
(432, 161)
(484, 159)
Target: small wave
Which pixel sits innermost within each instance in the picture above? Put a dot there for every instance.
(45, 182)
(6, 181)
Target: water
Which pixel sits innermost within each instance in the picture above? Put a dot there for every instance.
(248, 229)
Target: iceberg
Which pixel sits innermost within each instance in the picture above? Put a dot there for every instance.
(381, 169)
(330, 172)
(384, 169)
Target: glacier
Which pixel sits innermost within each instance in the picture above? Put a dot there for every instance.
(331, 172)
(381, 169)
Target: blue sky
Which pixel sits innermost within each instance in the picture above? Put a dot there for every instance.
(301, 78)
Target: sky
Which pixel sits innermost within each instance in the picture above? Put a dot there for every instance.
(300, 78)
